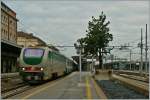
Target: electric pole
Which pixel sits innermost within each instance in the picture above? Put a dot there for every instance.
(79, 52)
(130, 59)
(112, 58)
(146, 62)
(80, 63)
(92, 64)
(141, 46)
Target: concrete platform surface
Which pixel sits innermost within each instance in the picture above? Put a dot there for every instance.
(68, 87)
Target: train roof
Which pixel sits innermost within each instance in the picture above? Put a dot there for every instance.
(43, 47)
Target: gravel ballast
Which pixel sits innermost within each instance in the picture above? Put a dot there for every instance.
(115, 90)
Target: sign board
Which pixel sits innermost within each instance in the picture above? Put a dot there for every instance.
(90, 60)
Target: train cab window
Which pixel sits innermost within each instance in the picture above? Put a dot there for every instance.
(33, 56)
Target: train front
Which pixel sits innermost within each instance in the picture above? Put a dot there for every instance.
(30, 63)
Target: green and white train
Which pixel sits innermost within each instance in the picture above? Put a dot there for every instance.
(41, 63)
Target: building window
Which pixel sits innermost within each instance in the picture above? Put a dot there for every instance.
(5, 35)
(6, 32)
(14, 25)
(2, 31)
(6, 19)
(2, 18)
(10, 21)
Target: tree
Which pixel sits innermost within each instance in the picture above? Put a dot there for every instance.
(97, 37)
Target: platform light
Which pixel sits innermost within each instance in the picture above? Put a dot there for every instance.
(23, 68)
(41, 69)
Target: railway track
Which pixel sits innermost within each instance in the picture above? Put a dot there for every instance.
(17, 86)
(139, 78)
(136, 73)
(15, 90)
(116, 85)
(115, 90)
(138, 83)
(21, 87)
(12, 84)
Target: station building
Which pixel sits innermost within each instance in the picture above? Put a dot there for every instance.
(25, 39)
(8, 24)
(9, 48)
(12, 41)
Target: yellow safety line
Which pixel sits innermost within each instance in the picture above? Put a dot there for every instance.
(99, 91)
(88, 90)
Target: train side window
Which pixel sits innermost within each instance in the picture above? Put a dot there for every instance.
(50, 56)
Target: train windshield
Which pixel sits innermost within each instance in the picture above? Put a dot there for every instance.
(33, 56)
(33, 53)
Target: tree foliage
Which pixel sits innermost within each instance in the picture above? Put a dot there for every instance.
(97, 37)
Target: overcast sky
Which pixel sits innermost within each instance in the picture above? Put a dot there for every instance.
(63, 22)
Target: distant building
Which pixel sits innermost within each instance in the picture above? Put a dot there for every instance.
(28, 39)
(83, 60)
(8, 24)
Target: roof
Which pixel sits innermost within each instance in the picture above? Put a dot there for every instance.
(10, 43)
(53, 47)
(29, 36)
(3, 4)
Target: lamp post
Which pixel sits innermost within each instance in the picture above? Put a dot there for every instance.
(80, 63)
(79, 51)
(130, 59)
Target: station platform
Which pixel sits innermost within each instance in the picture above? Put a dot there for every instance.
(68, 87)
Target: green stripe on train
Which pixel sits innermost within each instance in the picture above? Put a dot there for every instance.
(32, 61)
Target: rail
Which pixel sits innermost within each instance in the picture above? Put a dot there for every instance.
(16, 90)
(9, 75)
(131, 72)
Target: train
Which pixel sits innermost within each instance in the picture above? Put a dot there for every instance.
(125, 65)
(38, 64)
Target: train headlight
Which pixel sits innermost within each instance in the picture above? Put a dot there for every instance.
(23, 68)
(41, 69)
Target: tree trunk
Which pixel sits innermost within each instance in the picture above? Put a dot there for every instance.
(100, 60)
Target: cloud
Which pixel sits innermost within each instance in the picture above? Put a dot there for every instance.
(63, 22)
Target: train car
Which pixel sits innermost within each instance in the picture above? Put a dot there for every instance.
(69, 66)
(41, 63)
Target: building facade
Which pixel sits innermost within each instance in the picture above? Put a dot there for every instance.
(29, 40)
(8, 24)
(9, 49)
